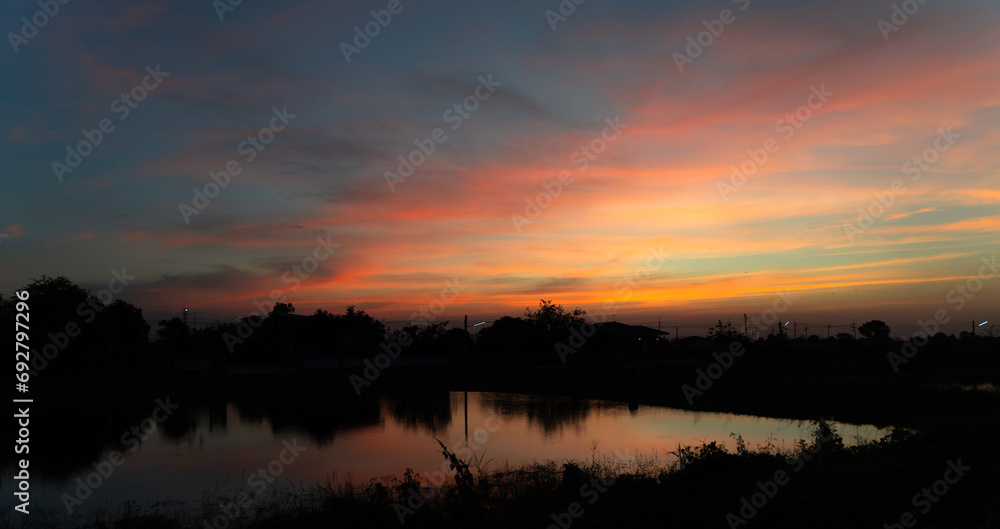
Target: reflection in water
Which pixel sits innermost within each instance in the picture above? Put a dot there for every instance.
(982, 386)
(185, 420)
(550, 414)
(318, 418)
(212, 441)
(431, 411)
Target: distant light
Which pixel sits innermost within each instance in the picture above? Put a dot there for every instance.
(787, 322)
(185, 309)
(983, 323)
(478, 324)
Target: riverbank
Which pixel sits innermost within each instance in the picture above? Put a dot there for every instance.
(847, 390)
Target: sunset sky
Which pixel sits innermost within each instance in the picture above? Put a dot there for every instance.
(652, 223)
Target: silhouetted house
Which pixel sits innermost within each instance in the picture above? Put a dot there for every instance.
(623, 340)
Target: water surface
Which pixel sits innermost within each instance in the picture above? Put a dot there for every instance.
(217, 445)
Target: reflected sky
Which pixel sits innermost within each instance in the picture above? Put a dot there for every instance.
(217, 447)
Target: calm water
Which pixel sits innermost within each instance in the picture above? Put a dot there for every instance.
(218, 445)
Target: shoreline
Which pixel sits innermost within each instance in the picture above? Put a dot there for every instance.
(777, 389)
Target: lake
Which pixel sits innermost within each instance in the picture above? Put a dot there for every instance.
(220, 445)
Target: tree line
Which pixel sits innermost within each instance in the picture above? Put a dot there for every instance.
(72, 330)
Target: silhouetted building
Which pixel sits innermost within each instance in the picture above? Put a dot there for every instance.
(623, 340)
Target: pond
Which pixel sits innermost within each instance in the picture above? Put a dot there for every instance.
(219, 445)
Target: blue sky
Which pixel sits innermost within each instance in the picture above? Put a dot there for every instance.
(661, 182)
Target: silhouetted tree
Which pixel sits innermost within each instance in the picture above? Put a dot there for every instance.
(426, 339)
(551, 317)
(284, 308)
(875, 329)
(173, 333)
(362, 323)
(55, 301)
(844, 339)
(123, 330)
(507, 335)
(456, 342)
(61, 314)
(726, 332)
(355, 334)
(536, 334)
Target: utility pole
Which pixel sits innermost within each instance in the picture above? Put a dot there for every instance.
(677, 333)
(854, 330)
(795, 329)
(827, 330)
(745, 325)
(973, 327)
(466, 323)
